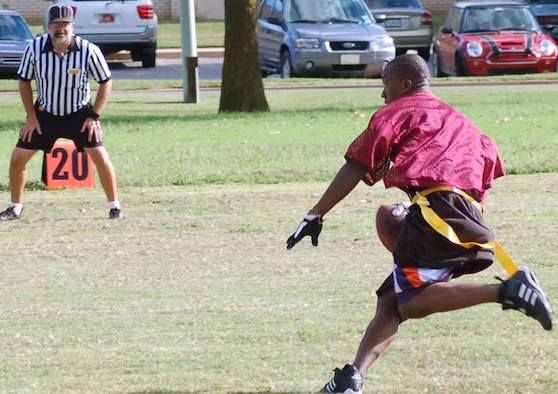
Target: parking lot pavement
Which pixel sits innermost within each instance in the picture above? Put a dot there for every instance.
(173, 54)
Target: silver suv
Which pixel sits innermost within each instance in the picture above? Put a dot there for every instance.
(321, 38)
(118, 25)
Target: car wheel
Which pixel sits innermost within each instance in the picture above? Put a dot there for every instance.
(424, 53)
(434, 64)
(136, 54)
(400, 51)
(286, 66)
(148, 60)
(460, 66)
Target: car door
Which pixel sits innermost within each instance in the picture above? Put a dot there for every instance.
(263, 38)
(447, 41)
(270, 32)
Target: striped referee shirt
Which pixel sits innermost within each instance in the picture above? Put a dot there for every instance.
(63, 81)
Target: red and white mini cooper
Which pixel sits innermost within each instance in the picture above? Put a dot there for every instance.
(492, 38)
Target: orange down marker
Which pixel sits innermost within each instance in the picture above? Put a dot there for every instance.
(66, 168)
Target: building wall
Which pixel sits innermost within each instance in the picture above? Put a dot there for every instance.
(33, 10)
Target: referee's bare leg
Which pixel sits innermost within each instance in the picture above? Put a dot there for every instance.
(18, 163)
(105, 169)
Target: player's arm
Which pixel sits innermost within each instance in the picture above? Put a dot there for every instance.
(344, 182)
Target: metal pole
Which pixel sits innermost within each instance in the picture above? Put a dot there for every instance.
(190, 79)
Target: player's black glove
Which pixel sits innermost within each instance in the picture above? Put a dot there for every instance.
(311, 225)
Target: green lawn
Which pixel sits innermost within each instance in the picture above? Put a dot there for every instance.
(194, 291)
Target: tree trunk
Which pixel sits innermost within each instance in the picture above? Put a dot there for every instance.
(242, 87)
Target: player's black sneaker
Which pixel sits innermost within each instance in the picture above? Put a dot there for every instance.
(522, 292)
(115, 213)
(347, 380)
(9, 214)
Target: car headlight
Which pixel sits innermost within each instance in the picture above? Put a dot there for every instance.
(474, 49)
(547, 47)
(382, 42)
(308, 43)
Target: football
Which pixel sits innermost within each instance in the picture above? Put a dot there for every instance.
(389, 220)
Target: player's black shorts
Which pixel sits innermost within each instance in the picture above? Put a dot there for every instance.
(419, 245)
(54, 127)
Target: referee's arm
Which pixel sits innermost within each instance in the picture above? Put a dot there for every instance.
(102, 96)
(31, 124)
(26, 94)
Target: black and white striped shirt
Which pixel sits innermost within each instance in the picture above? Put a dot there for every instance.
(63, 81)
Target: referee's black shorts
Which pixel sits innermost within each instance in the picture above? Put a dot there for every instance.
(54, 127)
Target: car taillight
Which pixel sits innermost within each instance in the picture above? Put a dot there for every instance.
(426, 19)
(146, 11)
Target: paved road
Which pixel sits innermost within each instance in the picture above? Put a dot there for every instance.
(209, 69)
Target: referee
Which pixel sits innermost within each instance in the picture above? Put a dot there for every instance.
(61, 64)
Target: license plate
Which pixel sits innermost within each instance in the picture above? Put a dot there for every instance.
(106, 18)
(393, 23)
(350, 59)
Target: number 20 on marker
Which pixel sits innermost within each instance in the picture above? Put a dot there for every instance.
(66, 168)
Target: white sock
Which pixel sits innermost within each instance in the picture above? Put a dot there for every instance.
(17, 207)
(114, 204)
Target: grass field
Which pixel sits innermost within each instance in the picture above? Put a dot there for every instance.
(194, 291)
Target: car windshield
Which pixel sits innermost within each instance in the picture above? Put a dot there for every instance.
(478, 20)
(14, 28)
(541, 1)
(328, 11)
(375, 4)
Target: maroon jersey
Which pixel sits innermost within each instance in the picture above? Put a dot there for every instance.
(419, 141)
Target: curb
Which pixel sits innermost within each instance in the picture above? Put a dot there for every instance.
(171, 54)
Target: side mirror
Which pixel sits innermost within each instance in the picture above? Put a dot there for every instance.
(548, 27)
(380, 18)
(446, 30)
(274, 20)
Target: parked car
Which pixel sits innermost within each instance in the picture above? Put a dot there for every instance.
(321, 38)
(546, 12)
(117, 26)
(407, 22)
(15, 35)
(492, 38)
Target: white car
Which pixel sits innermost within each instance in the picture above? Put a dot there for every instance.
(115, 26)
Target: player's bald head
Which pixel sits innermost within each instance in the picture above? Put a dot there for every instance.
(412, 67)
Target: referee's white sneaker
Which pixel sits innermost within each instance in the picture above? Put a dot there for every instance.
(116, 213)
(9, 214)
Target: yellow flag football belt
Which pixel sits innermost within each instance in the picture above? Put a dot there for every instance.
(443, 228)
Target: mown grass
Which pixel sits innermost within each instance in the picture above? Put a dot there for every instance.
(158, 140)
(194, 292)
